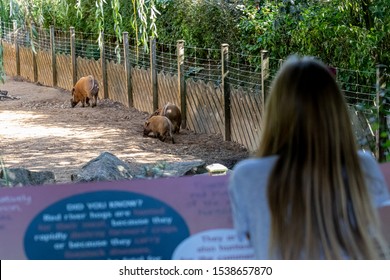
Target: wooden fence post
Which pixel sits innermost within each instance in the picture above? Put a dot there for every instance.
(381, 117)
(17, 52)
(153, 72)
(53, 56)
(264, 77)
(34, 55)
(104, 66)
(73, 54)
(128, 69)
(226, 90)
(181, 84)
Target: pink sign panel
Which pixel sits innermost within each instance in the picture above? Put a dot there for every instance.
(177, 218)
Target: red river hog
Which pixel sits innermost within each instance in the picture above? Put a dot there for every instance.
(160, 126)
(85, 89)
(172, 112)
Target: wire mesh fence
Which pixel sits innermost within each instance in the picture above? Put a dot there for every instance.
(113, 48)
(358, 86)
(138, 56)
(244, 72)
(62, 42)
(87, 46)
(6, 32)
(166, 57)
(200, 63)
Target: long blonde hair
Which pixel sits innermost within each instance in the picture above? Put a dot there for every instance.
(319, 203)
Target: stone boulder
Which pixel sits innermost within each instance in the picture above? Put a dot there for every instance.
(23, 177)
(173, 169)
(106, 167)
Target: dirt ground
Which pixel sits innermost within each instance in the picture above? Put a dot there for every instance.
(41, 132)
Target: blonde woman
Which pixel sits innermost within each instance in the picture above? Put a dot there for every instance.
(309, 194)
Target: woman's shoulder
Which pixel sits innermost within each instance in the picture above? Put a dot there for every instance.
(366, 156)
(376, 182)
(251, 170)
(255, 163)
(369, 164)
(249, 178)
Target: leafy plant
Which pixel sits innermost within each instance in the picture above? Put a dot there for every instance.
(89, 16)
(201, 24)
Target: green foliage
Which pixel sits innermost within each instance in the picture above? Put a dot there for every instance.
(352, 34)
(87, 16)
(4, 11)
(269, 27)
(328, 32)
(204, 24)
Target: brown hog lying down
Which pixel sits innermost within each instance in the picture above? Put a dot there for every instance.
(85, 89)
(172, 112)
(160, 126)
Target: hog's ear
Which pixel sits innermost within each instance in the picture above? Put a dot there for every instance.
(147, 123)
(73, 91)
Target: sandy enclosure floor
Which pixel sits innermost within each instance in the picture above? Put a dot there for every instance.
(41, 132)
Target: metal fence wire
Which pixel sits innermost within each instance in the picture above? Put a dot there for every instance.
(200, 64)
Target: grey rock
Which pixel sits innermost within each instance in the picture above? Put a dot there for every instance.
(173, 169)
(106, 167)
(25, 177)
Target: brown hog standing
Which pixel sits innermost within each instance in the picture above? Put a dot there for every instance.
(161, 126)
(85, 89)
(172, 112)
